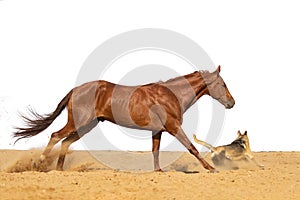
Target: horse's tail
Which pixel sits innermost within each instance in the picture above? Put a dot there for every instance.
(210, 147)
(41, 122)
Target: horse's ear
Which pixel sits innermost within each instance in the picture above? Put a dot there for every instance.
(245, 133)
(219, 68)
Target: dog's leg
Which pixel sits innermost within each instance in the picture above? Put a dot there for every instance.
(234, 158)
(251, 157)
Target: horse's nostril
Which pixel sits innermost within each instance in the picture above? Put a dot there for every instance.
(230, 104)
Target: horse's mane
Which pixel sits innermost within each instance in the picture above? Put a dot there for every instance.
(178, 78)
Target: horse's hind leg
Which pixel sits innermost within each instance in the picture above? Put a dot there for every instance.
(64, 149)
(70, 139)
(42, 163)
(56, 137)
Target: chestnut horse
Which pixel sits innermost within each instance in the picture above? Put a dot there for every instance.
(156, 107)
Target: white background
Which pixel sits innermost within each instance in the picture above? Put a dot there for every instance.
(44, 44)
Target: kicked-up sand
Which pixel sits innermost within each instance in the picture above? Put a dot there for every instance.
(128, 175)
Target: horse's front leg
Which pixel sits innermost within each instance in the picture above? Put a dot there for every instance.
(177, 132)
(156, 137)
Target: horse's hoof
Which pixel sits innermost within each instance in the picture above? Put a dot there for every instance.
(59, 169)
(37, 165)
(42, 158)
(213, 171)
(158, 170)
(40, 164)
(261, 167)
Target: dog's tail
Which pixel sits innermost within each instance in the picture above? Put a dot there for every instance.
(210, 147)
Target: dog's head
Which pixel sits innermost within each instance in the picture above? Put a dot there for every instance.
(244, 138)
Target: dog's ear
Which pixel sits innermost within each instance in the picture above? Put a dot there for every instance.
(245, 133)
(239, 133)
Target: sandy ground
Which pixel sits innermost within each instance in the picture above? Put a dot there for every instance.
(87, 178)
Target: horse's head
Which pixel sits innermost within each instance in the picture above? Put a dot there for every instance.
(218, 90)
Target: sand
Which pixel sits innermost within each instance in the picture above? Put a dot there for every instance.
(87, 178)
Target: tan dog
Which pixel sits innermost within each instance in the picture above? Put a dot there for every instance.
(225, 155)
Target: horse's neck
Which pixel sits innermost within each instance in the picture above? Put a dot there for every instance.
(198, 85)
(188, 88)
(197, 82)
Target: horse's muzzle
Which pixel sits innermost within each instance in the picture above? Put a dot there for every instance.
(229, 104)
